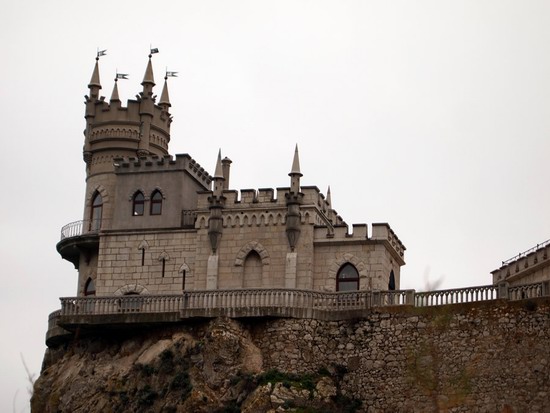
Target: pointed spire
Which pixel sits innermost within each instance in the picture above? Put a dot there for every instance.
(94, 81)
(114, 95)
(219, 169)
(148, 77)
(164, 97)
(329, 197)
(296, 163)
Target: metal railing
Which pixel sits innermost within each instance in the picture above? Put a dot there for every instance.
(78, 228)
(526, 252)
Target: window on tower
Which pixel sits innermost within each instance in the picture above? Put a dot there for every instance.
(89, 288)
(156, 203)
(138, 204)
(97, 210)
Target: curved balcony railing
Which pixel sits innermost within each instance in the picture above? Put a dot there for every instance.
(78, 228)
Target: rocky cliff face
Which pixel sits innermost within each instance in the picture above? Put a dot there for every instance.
(481, 357)
(207, 367)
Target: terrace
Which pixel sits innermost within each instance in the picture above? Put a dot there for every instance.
(93, 313)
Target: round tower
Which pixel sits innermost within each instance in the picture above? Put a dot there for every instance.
(113, 131)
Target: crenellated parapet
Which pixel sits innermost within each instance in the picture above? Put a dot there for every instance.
(154, 163)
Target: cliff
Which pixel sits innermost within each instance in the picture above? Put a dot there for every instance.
(481, 357)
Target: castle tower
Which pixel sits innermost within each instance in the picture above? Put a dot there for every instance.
(113, 131)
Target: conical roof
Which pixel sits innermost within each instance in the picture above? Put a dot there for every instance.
(94, 81)
(164, 97)
(149, 77)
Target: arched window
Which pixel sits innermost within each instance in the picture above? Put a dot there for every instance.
(97, 210)
(138, 204)
(391, 282)
(252, 276)
(89, 288)
(347, 278)
(156, 203)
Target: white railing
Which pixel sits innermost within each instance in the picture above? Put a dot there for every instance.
(244, 302)
(455, 296)
(78, 228)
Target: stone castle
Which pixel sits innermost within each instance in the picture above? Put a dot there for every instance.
(195, 297)
(158, 224)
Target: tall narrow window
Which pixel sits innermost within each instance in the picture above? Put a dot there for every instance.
(252, 277)
(391, 282)
(156, 203)
(89, 288)
(138, 204)
(348, 278)
(97, 210)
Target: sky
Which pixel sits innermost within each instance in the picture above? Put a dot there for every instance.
(430, 115)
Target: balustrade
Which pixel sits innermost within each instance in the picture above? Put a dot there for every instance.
(244, 301)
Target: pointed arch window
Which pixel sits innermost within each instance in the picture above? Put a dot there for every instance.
(97, 212)
(347, 278)
(391, 281)
(138, 204)
(252, 276)
(89, 288)
(156, 203)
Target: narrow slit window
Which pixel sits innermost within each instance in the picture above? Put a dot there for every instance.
(96, 213)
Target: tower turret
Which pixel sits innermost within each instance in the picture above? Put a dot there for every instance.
(293, 201)
(116, 131)
(217, 203)
(146, 108)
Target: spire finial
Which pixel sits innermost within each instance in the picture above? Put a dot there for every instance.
(219, 169)
(94, 81)
(148, 78)
(296, 163)
(329, 197)
(114, 95)
(164, 96)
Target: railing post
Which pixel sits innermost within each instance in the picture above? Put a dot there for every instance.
(503, 290)
(409, 297)
(376, 298)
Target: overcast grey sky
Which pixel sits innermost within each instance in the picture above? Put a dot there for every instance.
(430, 115)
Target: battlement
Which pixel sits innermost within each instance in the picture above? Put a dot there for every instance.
(267, 197)
(166, 163)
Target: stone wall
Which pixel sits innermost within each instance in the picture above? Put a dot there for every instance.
(478, 357)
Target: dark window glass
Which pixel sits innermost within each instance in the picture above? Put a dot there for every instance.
(89, 288)
(347, 279)
(138, 205)
(97, 210)
(156, 203)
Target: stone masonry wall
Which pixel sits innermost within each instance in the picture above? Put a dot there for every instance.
(483, 357)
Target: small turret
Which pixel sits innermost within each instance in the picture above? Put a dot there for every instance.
(146, 109)
(114, 94)
(293, 202)
(95, 84)
(217, 203)
(164, 96)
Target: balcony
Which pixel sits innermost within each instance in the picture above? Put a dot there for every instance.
(76, 238)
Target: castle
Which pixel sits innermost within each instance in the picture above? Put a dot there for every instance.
(162, 225)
